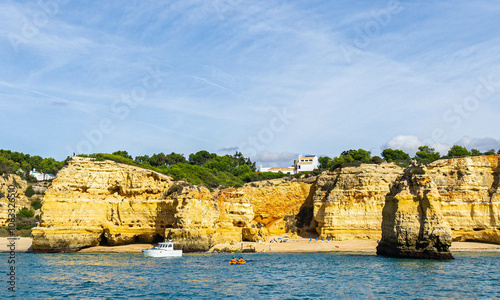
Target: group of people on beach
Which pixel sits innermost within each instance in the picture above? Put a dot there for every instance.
(310, 239)
(275, 241)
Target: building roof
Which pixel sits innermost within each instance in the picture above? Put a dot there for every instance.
(285, 169)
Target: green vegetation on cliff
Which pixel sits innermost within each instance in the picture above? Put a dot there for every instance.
(208, 169)
(424, 155)
(12, 162)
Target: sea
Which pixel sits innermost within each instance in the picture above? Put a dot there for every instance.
(338, 275)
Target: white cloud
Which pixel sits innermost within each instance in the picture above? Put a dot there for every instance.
(274, 159)
(228, 62)
(441, 148)
(481, 144)
(407, 143)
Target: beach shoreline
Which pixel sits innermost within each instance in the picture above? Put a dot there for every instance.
(299, 245)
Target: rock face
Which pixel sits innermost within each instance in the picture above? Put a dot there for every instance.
(470, 196)
(348, 202)
(98, 202)
(20, 199)
(412, 225)
(92, 202)
(102, 202)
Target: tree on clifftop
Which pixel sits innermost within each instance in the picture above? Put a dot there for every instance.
(201, 157)
(391, 155)
(325, 162)
(475, 152)
(458, 151)
(357, 155)
(174, 158)
(351, 158)
(489, 152)
(122, 153)
(425, 154)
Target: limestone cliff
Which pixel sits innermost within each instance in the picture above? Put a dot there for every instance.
(250, 213)
(470, 196)
(102, 202)
(348, 202)
(21, 200)
(92, 202)
(412, 224)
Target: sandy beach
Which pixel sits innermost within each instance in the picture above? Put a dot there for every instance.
(304, 245)
(21, 245)
(293, 245)
(133, 248)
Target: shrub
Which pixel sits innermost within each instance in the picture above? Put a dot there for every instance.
(458, 151)
(25, 213)
(392, 155)
(29, 191)
(377, 160)
(36, 204)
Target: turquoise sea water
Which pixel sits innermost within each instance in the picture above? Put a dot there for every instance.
(266, 276)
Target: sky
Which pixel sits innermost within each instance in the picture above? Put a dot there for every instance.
(272, 79)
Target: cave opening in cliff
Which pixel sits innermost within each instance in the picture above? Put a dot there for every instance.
(157, 238)
(103, 241)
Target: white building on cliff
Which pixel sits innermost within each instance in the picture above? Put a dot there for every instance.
(41, 176)
(305, 163)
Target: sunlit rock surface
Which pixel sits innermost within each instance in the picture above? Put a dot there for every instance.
(412, 224)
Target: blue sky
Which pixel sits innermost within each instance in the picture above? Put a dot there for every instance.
(272, 79)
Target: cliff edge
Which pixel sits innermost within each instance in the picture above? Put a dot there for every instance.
(94, 203)
(412, 224)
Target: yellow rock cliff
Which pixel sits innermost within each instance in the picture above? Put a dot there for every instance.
(102, 202)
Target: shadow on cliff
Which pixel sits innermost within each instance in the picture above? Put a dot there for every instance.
(305, 222)
(493, 192)
(407, 233)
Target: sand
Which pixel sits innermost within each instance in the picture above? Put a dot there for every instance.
(293, 245)
(304, 245)
(133, 248)
(21, 245)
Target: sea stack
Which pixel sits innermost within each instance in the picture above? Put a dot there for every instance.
(412, 223)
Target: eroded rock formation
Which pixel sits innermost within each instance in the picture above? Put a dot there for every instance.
(20, 199)
(412, 225)
(470, 196)
(102, 202)
(348, 202)
(92, 202)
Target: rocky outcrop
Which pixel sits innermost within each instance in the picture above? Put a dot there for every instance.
(470, 196)
(102, 202)
(250, 213)
(18, 186)
(412, 225)
(348, 202)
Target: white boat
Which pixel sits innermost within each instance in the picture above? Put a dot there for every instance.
(165, 249)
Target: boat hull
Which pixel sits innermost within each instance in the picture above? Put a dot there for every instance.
(161, 253)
